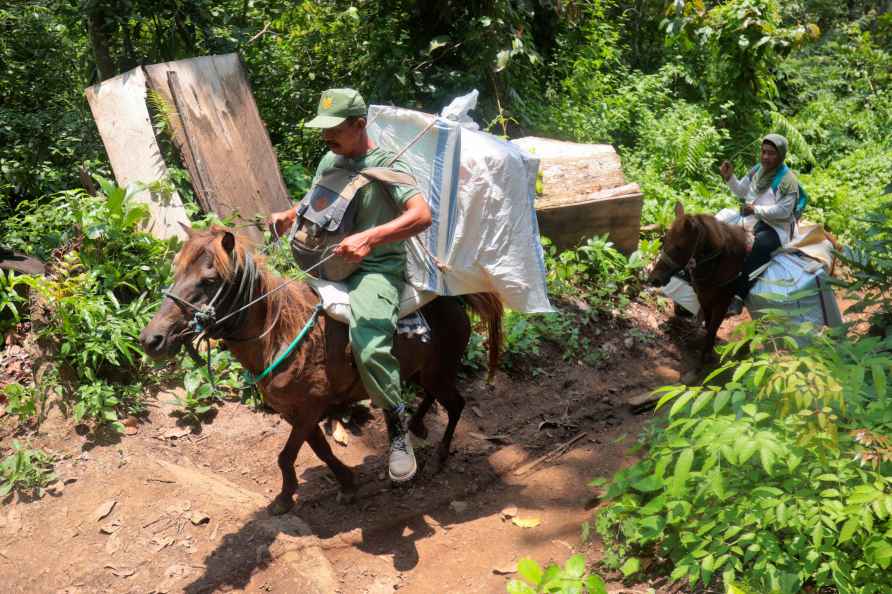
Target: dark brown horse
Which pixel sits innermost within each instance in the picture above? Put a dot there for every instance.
(215, 276)
(713, 253)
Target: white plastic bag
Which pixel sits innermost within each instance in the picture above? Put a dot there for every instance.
(458, 109)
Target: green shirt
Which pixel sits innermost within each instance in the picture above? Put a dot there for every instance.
(376, 207)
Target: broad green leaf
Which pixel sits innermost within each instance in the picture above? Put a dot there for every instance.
(575, 566)
(848, 530)
(766, 456)
(631, 566)
(518, 587)
(681, 401)
(682, 470)
(529, 570)
(745, 449)
(595, 585)
(863, 494)
(700, 402)
(741, 370)
(879, 379)
(648, 484)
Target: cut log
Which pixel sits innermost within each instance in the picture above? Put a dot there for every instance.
(584, 193)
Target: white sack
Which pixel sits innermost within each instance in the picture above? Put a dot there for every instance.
(481, 191)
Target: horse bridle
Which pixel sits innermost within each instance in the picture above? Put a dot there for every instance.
(205, 322)
(692, 262)
(204, 318)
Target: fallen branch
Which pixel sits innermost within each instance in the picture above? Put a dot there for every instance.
(554, 454)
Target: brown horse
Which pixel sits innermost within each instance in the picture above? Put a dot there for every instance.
(218, 286)
(713, 253)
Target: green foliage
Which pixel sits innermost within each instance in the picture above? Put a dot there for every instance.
(779, 474)
(26, 470)
(21, 401)
(595, 271)
(731, 50)
(569, 579)
(97, 401)
(522, 339)
(12, 300)
(97, 292)
(871, 264)
(202, 391)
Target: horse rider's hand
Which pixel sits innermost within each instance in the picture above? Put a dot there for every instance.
(354, 248)
(747, 209)
(280, 222)
(726, 169)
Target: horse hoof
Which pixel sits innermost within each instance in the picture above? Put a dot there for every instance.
(280, 505)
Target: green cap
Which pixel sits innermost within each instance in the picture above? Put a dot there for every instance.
(335, 106)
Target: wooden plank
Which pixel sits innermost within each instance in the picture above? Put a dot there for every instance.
(21, 263)
(119, 108)
(226, 147)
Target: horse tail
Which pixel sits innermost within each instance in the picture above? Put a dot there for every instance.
(489, 307)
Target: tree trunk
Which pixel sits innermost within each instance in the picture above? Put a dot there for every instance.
(99, 40)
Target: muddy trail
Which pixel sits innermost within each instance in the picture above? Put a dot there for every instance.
(169, 508)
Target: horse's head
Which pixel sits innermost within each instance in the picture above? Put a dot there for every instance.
(205, 269)
(679, 245)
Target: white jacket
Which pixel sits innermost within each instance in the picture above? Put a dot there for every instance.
(774, 208)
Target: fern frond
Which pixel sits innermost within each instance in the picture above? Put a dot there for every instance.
(798, 145)
(166, 116)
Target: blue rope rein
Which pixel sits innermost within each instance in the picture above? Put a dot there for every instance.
(251, 380)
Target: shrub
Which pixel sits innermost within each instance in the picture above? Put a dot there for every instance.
(25, 470)
(779, 475)
(569, 579)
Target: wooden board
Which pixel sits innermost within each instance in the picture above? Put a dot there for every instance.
(224, 142)
(119, 109)
(20, 263)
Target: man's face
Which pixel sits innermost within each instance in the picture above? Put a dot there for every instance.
(769, 158)
(345, 138)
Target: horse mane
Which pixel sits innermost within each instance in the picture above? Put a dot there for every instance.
(287, 309)
(732, 238)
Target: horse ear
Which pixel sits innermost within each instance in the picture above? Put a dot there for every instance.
(679, 209)
(228, 241)
(189, 231)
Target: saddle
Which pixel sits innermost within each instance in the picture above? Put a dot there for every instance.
(326, 215)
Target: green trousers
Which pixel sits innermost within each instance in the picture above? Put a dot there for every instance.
(374, 310)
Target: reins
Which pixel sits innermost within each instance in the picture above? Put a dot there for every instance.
(693, 262)
(205, 324)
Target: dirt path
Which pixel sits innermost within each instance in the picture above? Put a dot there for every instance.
(188, 507)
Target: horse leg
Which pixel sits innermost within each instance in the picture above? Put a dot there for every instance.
(454, 403)
(416, 423)
(342, 472)
(284, 501)
(714, 319)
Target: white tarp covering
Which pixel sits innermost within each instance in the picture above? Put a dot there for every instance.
(481, 191)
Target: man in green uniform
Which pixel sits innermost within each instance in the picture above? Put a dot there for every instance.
(381, 227)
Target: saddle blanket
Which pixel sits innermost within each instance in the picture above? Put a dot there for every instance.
(336, 303)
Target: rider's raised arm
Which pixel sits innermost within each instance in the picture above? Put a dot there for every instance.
(740, 187)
